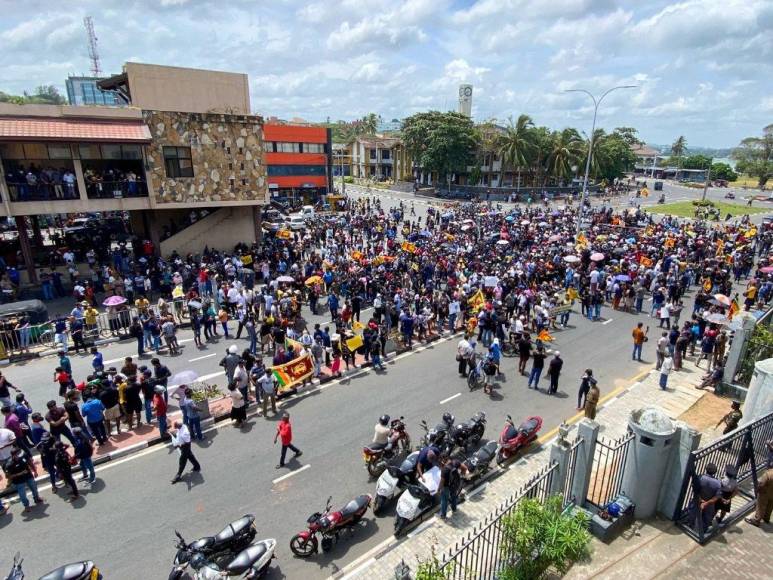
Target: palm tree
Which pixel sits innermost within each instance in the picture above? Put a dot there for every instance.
(517, 146)
(488, 143)
(678, 149)
(598, 160)
(566, 149)
(542, 140)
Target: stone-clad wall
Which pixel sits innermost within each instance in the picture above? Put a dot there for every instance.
(226, 152)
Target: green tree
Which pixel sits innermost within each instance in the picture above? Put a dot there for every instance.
(696, 162)
(754, 156)
(538, 537)
(565, 151)
(441, 142)
(542, 139)
(678, 149)
(723, 171)
(517, 146)
(629, 135)
(615, 157)
(43, 95)
(488, 146)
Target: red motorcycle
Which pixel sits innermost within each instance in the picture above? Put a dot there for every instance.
(377, 456)
(513, 439)
(329, 525)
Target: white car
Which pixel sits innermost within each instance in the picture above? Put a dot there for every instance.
(297, 222)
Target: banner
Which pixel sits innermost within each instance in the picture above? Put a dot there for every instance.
(559, 309)
(477, 301)
(409, 247)
(290, 374)
(572, 293)
(355, 342)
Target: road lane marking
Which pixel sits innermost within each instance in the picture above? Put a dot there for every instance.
(451, 398)
(202, 357)
(607, 321)
(113, 360)
(297, 471)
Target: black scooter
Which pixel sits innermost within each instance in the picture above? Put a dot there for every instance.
(78, 571)
(479, 463)
(231, 540)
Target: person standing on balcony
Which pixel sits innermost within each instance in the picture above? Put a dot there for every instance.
(69, 183)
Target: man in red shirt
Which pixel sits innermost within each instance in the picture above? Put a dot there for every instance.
(285, 431)
(160, 407)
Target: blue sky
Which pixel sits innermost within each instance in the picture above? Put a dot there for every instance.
(703, 67)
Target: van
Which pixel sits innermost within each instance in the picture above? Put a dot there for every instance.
(307, 211)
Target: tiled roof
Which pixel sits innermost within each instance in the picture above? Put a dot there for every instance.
(60, 129)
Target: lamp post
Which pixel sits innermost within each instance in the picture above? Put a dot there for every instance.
(596, 103)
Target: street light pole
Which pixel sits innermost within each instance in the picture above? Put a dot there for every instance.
(706, 181)
(596, 104)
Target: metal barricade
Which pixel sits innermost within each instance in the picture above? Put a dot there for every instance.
(607, 473)
(481, 555)
(746, 449)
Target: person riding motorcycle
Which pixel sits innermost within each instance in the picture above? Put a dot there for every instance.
(384, 434)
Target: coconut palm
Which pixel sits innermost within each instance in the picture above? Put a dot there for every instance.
(678, 149)
(542, 143)
(567, 148)
(488, 143)
(598, 161)
(517, 146)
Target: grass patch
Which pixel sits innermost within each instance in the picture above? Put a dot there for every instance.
(745, 181)
(687, 209)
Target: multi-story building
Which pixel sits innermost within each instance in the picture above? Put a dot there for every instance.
(298, 161)
(185, 142)
(83, 91)
(380, 158)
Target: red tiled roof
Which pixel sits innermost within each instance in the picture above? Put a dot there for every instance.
(59, 129)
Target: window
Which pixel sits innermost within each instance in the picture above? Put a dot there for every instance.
(178, 162)
(131, 152)
(89, 152)
(12, 151)
(372, 154)
(59, 152)
(385, 154)
(269, 146)
(314, 147)
(111, 151)
(284, 147)
(284, 170)
(35, 151)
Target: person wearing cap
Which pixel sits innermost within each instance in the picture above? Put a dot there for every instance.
(19, 473)
(729, 485)
(709, 493)
(160, 408)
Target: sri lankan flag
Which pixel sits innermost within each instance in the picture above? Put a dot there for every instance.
(290, 374)
(734, 308)
(284, 234)
(409, 247)
(477, 301)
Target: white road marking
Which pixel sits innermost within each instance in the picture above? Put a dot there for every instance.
(607, 321)
(451, 398)
(113, 360)
(202, 357)
(297, 471)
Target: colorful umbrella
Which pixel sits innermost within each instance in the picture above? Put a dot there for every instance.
(114, 301)
(722, 299)
(285, 279)
(766, 269)
(597, 256)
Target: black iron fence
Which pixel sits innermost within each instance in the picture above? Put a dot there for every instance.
(482, 554)
(606, 477)
(570, 472)
(746, 450)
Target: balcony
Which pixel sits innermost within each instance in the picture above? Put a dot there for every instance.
(116, 189)
(29, 182)
(114, 179)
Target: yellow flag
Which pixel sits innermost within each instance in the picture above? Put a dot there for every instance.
(357, 255)
(355, 342)
(734, 309)
(670, 242)
(356, 325)
(284, 234)
(477, 301)
(572, 294)
(409, 247)
(750, 233)
(707, 285)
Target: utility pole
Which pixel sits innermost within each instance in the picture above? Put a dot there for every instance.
(706, 182)
(596, 104)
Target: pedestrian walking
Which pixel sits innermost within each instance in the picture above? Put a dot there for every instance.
(665, 370)
(19, 473)
(285, 431)
(591, 401)
(586, 382)
(268, 392)
(160, 409)
(181, 438)
(83, 452)
(238, 405)
(537, 366)
(450, 485)
(554, 371)
(639, 338)
(704, 504)
(464, 352)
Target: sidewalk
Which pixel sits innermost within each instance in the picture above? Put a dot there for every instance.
(612, 417)
(132, 441)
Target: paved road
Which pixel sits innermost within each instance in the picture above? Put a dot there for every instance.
(126, 522)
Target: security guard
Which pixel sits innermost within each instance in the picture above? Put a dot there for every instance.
(732, 418)
(764, 504)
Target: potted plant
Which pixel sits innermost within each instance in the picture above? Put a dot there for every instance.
(202, 393)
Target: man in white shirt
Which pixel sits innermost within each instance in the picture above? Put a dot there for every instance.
(181, 438)
(453, 313)
(7, 439)
(464, 351)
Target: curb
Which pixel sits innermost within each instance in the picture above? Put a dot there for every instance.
(208, 422)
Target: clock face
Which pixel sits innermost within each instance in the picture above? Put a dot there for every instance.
(468, 91)
(461, 91)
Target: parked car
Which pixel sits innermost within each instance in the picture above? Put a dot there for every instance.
(297, 222)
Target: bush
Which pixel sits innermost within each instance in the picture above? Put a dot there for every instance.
(703, 203)
(348, 179)
(539, 537)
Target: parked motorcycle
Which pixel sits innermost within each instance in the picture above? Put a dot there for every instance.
(480, 462)
(662, 199)
(438, 434)
(231, 540)
(512, 439)
(85, 570)
(250, 563)
(377, 455)
(394, 480)
(328, 524)
(417, 499)
(468, 434)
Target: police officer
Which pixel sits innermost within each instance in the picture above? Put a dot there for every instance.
(709, 493)
(732, 418)
(764, 503)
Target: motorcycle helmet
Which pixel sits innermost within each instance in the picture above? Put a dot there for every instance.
(614, 510)
(384, 420)
(448, 418)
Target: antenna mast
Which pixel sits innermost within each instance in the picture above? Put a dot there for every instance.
(96, 70)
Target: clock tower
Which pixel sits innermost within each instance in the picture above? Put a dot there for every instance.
(465, 100)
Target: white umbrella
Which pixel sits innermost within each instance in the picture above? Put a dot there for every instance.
(503, 243)
(554, 238)
(285, 279)
(184, 378)
(571, 259)
(525, 222)
(597, 256)
(722, 299)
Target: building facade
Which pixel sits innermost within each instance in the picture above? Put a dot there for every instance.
(83, 91)
(299, 162)
(380, 158)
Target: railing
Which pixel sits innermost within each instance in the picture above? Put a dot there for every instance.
(607, 472)
(116, 189)
(746, 449)
(22, 191)
(571, 470)
(483, 553)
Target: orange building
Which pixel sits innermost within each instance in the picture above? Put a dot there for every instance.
(298, 161)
